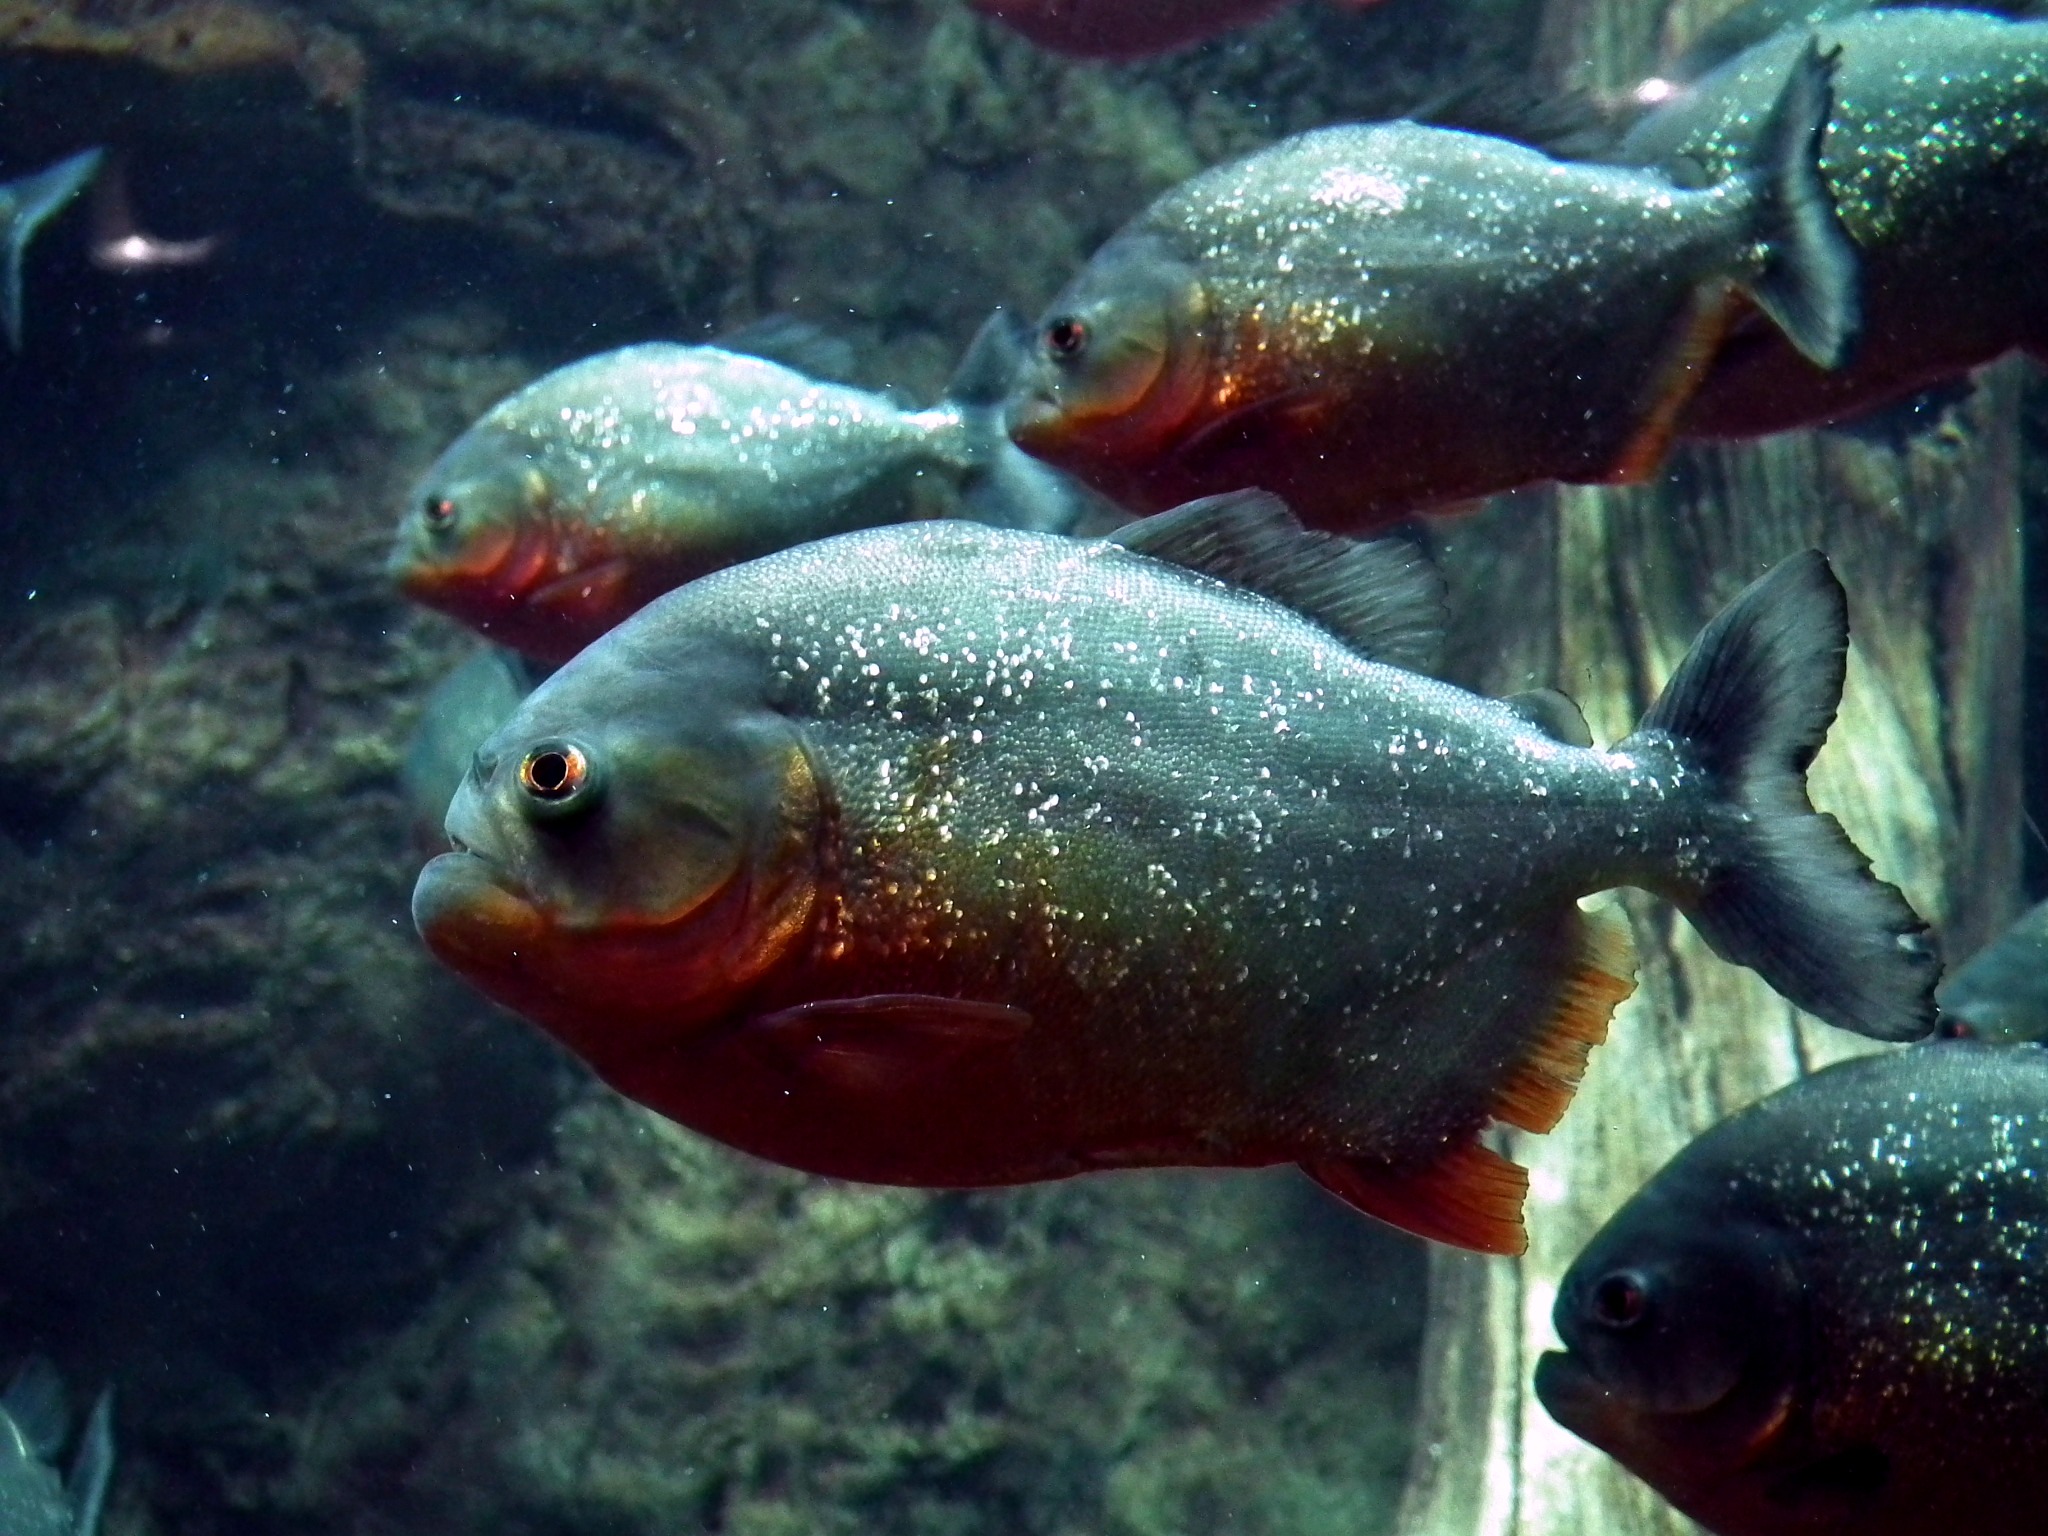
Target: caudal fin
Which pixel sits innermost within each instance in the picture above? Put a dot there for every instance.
(1808, 282)
(25, 205)
(1789, 895)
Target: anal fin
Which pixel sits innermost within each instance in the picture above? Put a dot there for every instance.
(1540, 1087)
(1471, 1197)
(1709, 312)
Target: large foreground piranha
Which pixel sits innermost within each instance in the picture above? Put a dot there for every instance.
(945, 855)
(1937, 160)
(1129, 29)
(1828, 1316)
(1376, 319)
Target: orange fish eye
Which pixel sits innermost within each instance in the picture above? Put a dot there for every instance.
(556, 774)
(439, 512)
(1066, 337)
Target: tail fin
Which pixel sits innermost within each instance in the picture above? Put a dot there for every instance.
(1793, 899)
(86, 1486)
(1808, 281)
(1004, 485)
(25, 205)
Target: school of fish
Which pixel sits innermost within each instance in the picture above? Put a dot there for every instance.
(1048, 781)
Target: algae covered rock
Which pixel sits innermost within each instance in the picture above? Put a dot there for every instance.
(677, 1338)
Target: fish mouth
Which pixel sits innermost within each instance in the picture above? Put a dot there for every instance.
(1033, 419)
(470, 913)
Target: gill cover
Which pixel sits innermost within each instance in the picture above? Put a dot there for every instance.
(621, 805)
(1123, 356)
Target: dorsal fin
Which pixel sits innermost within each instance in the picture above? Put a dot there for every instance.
(1383, 598)
(799, 345)
(1553, 714)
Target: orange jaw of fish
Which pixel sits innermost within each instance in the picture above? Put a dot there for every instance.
(535, 590)
(613, 993)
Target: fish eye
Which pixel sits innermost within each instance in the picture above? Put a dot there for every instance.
(557, 776)
(1620, 1300)
(1067, 337)
(439, 512)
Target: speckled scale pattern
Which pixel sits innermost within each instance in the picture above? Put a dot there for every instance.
(1354, 879)
(1468, 314)
(1919, 1184)
(660, 432)
(1937, 156)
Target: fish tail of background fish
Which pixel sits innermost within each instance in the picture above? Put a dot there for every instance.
(1777, 886)
(85, 1489)
(1806, 276)
(1003, 485)
(25, 206)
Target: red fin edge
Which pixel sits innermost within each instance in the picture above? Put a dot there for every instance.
(1540, 1087)
(1471, 1197)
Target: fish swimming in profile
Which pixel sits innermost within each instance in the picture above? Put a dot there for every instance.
(26, 204)
(1828, 1315)
(1936, 159)
(35, 1499)
(605, 483)
(946, 855)
(1372, 320)
(1129, 29)
(2001, 992)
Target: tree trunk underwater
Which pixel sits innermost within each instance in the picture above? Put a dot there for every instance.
(1598, 591)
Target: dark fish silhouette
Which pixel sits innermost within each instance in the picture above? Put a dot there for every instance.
(1828, 1316)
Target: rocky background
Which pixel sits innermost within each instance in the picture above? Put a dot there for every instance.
(360, 1253)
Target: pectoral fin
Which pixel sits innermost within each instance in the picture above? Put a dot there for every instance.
(885, 1042)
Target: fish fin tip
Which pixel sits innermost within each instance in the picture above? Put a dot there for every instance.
(1470, 1198)
(801, 345)
(1790, 897)
(1383, 598)
(30, 203)
(1602, 975)
(1552, 713)
(1679, 374)
(1809, 282)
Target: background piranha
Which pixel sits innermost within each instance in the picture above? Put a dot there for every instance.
(944, 855)
(1828, 1316)
(1936, 157)
(1369, 320)
(605, 483)
(1129, 29)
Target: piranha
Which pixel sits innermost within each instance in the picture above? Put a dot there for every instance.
(35, 1498)
(605, 483)
(26, 204)
(945, 855)
(2002, 992)
(1129, 29)
(1828, 1315)
(1371, 320)
(1936, 159)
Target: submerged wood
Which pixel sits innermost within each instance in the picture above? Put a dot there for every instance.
(1598, 591)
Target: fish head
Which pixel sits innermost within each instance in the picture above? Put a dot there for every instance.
(491, 537)
(632, 850)
(1121, 360)
(1684, 1354)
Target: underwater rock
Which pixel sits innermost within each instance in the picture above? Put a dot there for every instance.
(676, 1338)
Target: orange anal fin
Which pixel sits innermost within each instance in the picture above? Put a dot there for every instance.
(1540, 1086)
(1708, 314)
(1470, 1197)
